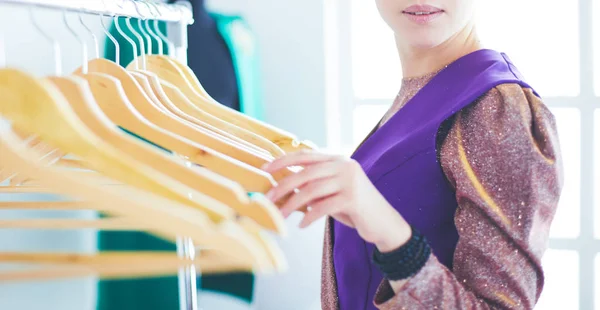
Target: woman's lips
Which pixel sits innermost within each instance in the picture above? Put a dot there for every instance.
(422, 14)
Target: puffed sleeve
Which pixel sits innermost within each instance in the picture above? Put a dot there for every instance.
(501, 154)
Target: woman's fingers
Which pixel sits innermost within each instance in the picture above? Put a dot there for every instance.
(322, 207)
(301, 158)
(311, 193)
(311, 174)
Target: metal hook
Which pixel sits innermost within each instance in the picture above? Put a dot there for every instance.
(110, 36)
(2, 52)
(139, 38)
(143, 31)
(96, 47)
(81, 41)
(155, 14)
(163, 37)
(55, 45)
(126, 37)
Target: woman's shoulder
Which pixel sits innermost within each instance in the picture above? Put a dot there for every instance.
(507, 123)
(507, 103)
(506, 118)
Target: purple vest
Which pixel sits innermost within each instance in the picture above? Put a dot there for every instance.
(400, 158)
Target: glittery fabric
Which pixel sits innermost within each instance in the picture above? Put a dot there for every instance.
(502, 157)
(410, 87)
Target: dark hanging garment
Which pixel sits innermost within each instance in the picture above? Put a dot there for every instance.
(210, 58)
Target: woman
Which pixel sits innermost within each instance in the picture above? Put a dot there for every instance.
(447, 204)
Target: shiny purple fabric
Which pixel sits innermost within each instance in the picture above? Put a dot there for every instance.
(400, 158)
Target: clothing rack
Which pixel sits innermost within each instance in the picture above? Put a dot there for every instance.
(178, 17)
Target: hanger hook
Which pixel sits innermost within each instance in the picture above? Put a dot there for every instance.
(110, 36)
(94, 38)
(164, 37)
(81, 42)
(55, 45)
(2, 51)
(139, 39)
(143, 31)
(155, 15)
(126, 37)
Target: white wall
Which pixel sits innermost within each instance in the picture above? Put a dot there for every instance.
(293, 78)
(290, 35)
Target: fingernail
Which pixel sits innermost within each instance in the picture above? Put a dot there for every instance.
(265, 166)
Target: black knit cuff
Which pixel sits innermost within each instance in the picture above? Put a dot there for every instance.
(405, 261)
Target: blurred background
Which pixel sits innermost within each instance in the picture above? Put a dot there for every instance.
(327, 70)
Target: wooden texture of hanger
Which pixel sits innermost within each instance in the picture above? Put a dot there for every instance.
(254, 161)
(158, 91)
(147, 109)
(126, 224)
(177, 98)
(113, 101)
(202, 180)
(115, 265)
(167, 107)
(185, 78)
(164, 218)
(37, 106)
(116, 224)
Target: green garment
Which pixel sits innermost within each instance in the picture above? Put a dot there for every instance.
(162, 293)
(244, 52)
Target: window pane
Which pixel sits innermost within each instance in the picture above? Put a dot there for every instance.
(597, 268)
(535, 44)
(597, 172)
(596, 35)
(376, 71)
(561, 289)
(365, 118)
(566, 221)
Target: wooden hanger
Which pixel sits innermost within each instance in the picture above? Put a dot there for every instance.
(170, 94)
(202, 180)
(255, 162)
(263, 252)
(164, 218)
(274, 255)
(117, 265)
(158, 92)
(167, 108)
(111, 97)
(181, 75)
(142, 104)
(36, 106)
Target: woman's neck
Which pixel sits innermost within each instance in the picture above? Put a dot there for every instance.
(418, 61)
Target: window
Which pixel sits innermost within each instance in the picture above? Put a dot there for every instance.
(553, 40)
(369, 75)
(375, 65)
(596, 31)
(597, 281)
(597, 173)
(566, 221)
(562, 269)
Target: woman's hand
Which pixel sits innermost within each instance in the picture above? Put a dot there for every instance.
(337, 186)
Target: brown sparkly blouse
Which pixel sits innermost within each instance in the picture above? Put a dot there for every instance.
(510, 140)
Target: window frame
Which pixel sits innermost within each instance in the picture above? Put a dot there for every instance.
(341, 102)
